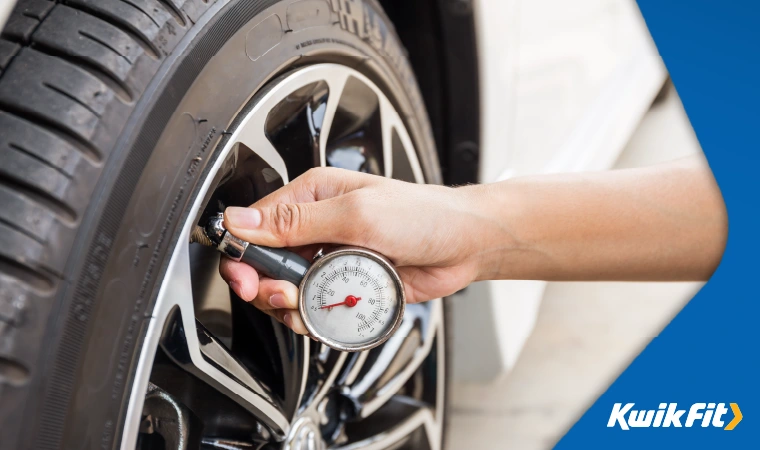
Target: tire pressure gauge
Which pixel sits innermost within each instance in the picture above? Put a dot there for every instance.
(351, 299)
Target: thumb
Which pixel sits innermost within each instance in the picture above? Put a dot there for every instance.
(294, 224)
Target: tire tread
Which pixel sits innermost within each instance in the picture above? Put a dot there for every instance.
(71, 72)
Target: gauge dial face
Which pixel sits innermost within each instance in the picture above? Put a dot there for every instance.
(351, 299)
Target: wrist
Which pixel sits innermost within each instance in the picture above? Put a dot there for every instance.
(490, 228)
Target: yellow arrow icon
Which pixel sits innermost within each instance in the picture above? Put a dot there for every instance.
(737, 417)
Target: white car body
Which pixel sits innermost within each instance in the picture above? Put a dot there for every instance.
(5, 10)
(563, 86)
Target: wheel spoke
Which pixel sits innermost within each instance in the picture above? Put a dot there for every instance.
(400, 157)
(416, 428)
(309, 96)
(354, 367)
(195, 350)
(325, 366)
(253, 138)
(294, 352)
(336, 82)
(388, 367)
(355, 140)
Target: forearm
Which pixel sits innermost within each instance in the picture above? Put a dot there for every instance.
(665, 222)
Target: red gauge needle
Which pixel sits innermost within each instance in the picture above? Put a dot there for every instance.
(349, 301)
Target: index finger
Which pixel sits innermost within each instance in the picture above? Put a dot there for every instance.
(317, 184)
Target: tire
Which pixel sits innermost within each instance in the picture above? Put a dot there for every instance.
(111, 111)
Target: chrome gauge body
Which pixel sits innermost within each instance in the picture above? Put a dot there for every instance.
(351, 299)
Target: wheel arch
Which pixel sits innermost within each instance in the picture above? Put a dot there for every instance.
(440, 37)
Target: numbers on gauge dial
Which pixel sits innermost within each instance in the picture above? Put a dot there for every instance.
(351, 299)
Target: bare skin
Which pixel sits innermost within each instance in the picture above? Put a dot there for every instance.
(666, 223)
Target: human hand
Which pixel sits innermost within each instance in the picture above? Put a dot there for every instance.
(426, 230)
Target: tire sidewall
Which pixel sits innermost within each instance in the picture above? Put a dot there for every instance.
(189, 106)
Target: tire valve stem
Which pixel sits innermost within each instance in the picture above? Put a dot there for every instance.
(215, 235)
(276, 263)
(198, 235)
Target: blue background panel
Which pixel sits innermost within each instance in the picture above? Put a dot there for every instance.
(709, 352)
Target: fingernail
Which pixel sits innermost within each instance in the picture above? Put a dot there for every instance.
(288, 320)
(242, 217)
(278, 300)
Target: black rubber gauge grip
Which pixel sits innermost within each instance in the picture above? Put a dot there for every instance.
(276, 263)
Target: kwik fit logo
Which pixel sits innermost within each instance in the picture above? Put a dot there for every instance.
(668, 415)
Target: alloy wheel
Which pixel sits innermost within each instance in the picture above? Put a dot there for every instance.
(215, 372)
